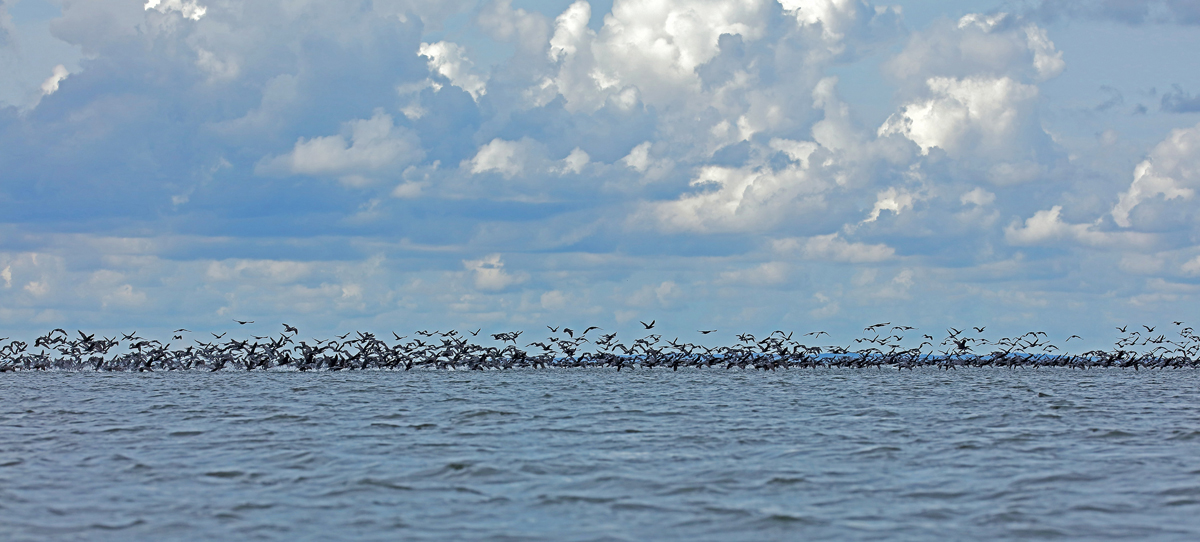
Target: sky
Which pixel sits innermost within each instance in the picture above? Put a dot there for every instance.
(740, 165)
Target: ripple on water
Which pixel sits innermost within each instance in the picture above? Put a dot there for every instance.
(601, 455)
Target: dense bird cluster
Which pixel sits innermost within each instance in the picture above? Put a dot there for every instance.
(882, 345)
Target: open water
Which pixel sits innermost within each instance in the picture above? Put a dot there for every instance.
(586, 454)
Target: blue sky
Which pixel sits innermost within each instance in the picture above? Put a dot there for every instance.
(742, 165)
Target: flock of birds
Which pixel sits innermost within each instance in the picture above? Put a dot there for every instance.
(882, 345)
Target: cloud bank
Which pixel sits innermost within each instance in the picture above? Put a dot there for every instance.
(708, 164)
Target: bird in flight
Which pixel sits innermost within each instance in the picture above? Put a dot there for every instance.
(648, 326)
(290, 329)
(705, 331)
(243, 322)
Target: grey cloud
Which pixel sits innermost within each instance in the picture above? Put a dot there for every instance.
(1115, 98)
(1180, 101)
(5, 24)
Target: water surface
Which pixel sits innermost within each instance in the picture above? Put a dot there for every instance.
(593, 454)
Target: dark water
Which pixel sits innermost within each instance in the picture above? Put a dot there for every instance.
(600, 455)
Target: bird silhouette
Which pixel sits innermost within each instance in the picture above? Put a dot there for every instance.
(358, 350)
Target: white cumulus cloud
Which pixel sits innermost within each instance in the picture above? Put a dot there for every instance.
(1046, 227)
(450, 61)
(963, 115)
(50, 85)
(488, 273)
(504, 157)
(189, 9)
(1172, 171)
(366, 146)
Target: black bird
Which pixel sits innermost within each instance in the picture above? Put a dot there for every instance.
(1122, 329)
(1074, 337)
(218, 336)
(1148, 328)
(475, 333)
(585, 332)
(183, 330)
(290, 329)
(552, 329)
(979, 329)
(648, 326)
(243, 322)
(706, 331)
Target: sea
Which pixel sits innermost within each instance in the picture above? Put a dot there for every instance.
(601, 455)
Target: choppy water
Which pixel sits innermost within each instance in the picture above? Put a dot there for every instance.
(600, 455)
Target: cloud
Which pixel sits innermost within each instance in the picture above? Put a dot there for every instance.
(50, 86)
(1046, 227)
(450, 61)
(963, 115)
(833, 248)
(995, 46)
(1191, 267)
(891, 200)
(366, 146)
(6, 26)
(575, 162)
(622, 161)
(766, 274)
(499, 156)
(489, 274)
(530, 30)
(970, 90)
(645, 50)
(189, 9)
(1180, 101)
(665, 294)
(978, 197)
(844, 24)
(570, 30)
(1172, 171)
